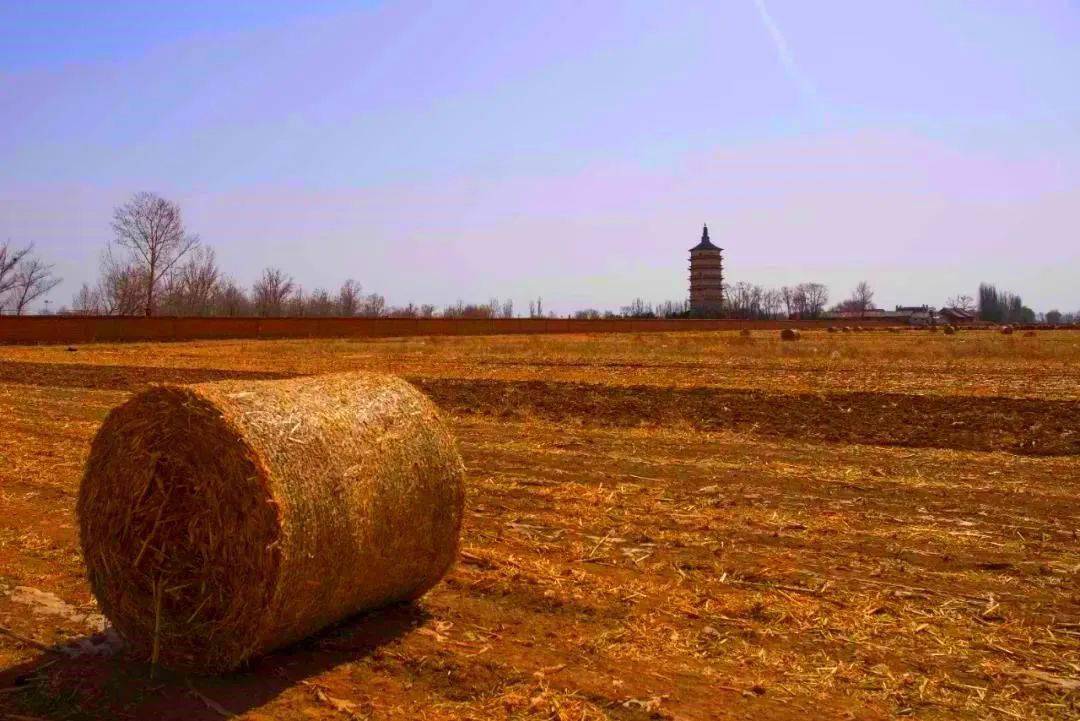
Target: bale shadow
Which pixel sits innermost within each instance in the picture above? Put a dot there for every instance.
(55, 687)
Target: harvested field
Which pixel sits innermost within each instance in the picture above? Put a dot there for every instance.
(692, 526)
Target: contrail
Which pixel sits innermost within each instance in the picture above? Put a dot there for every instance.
(807, 88)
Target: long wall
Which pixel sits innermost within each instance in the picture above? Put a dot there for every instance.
(110, 329)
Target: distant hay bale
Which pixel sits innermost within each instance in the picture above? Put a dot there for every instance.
(949, 330)
(846, 329)
(831, 329)
(859, 329)
(1006, 330)
(222, 520)
(789, 334)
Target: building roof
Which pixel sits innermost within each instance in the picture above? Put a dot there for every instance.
(705, 243)
(958, 313)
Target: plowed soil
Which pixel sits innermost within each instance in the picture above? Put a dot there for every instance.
(694, 526)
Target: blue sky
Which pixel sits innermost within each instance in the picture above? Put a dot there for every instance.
(436, 151)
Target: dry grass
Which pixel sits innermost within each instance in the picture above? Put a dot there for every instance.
(617, 568)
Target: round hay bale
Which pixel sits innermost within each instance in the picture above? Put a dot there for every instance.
(846, 329)
(831, 329)
(222, 520)
(789, 334)
(1006, 330)
(949, 330)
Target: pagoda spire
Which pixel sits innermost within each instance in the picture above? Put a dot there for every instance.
(705, 232)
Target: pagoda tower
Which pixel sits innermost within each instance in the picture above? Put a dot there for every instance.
(706, 277)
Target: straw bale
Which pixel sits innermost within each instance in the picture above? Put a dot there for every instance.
(222, 520)
(789, 334)
(1007, 330)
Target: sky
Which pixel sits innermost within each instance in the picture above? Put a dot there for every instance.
(437, 151)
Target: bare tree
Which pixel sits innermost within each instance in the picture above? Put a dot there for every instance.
(271, 291)
(87, 301)
(296, 304)
(122, 287)
(862, 298)
(193, 287)
(151, 230)
(772, 303)
(815, 296)
(33, 278)
(961, 302)
(319, 303)
(9, 262)
(349, 298)
(231, 300)
(372, 306)
(788, 296)
(408, 311)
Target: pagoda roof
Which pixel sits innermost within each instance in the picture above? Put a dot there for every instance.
(705, 243)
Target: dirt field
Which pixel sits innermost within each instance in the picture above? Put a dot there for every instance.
(661, 526)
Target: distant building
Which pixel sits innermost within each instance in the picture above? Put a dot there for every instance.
(957, 316)
(910, 314)
(706, 277)
(917, 314)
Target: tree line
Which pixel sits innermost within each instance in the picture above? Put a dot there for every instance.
(742, 300)
(154, 266)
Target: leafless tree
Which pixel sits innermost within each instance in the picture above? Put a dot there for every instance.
(151, 231)
(427, 310)
(33, 279)
(319, 303)
(788, 296)
(814, 297)
(271, 291)
(349, 298)
(296, 304)
(87, 301)
(862, 298)
(408, 311)
(372, 306)
(961, 302)
(193, 287)
(10, 258)
(121, 288)
(231, 300)
(638, 308)
(772, 302)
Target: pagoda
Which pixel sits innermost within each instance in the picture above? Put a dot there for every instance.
(706, 277)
